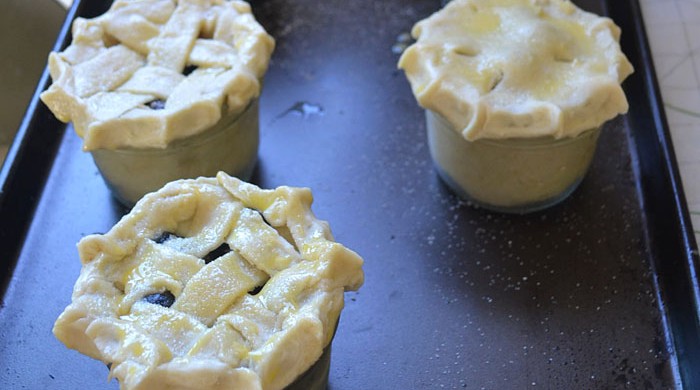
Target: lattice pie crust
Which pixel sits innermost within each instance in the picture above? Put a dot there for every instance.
(210, 283)
(195, 60)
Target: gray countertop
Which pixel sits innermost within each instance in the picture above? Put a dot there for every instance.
(29, 29)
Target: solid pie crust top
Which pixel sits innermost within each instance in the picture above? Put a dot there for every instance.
(201, 58)
(517, 68)
(210, 283)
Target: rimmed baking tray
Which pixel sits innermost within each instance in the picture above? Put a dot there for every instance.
(598, 292)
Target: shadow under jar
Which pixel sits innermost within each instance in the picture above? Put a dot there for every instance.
(231, 145)
(514, 175)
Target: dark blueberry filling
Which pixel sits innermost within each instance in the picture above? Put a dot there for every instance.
(165, 299)
(189, 69)
(216, 253)
(256, 290)
(156, 104)
(163, 237)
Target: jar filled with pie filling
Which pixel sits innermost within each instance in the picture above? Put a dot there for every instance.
(162, 90)
(513, 175)
(516, 93)
(230, 145)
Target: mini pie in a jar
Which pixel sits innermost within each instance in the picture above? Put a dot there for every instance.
(212, 283)
(161, 90)
(515, 93)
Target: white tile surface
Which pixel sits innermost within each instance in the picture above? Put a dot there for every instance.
(679, 74)
(673, 27)
(669, 39)
(690, 10)
(662, 12)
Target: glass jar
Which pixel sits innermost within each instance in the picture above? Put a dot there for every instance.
(231, 145)
(516, 175)
(316, 377)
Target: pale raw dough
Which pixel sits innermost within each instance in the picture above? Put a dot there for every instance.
(216, 334)
(136, 53)
(517, 68)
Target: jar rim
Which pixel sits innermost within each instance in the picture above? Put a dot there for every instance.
(545, 141)
(226, 120)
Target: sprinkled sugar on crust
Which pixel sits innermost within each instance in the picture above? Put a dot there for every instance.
(196, 59)
(517, 68)
(210, 283)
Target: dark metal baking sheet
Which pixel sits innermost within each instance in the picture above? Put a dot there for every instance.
(598, 292)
